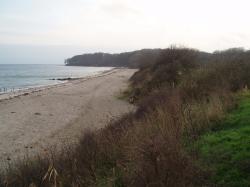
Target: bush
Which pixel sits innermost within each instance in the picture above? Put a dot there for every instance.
(178, 98)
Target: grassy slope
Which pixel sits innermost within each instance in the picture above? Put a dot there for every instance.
(226, 151)
(176, 99)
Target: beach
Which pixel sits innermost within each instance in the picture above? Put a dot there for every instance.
(33, 121)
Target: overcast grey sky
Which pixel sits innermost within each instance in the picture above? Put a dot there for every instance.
(124, 25)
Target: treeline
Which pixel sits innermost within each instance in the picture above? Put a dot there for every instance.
(180, 95)
(133, 59)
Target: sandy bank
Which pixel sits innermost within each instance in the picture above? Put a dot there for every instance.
(31, 122)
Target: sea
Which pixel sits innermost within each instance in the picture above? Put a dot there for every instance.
(15, 77)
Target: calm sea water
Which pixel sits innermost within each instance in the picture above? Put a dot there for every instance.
(19, 76)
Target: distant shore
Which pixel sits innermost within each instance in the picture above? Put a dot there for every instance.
(38, 118)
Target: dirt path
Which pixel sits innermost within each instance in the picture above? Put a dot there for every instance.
(31, 123)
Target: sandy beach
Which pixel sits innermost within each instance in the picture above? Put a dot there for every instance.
(31, 122)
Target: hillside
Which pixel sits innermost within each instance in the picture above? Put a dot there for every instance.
(191, 128)
(133, 59)
(226, 150)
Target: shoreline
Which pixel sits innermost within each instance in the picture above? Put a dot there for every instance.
(32, 123)
(33, 89)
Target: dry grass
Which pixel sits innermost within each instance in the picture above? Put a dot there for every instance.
(150, 147)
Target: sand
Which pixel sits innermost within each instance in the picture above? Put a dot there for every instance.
(31, 122)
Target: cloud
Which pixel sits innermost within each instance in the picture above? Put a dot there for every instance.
(118, 8)
(126, 23)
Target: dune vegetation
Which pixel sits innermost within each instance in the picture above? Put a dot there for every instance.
(191, 128)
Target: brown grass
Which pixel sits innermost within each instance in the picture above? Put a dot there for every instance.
(153, 146)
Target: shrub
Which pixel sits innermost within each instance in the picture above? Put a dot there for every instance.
(178, 99)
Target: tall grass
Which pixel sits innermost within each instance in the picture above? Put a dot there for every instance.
(178, 99)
